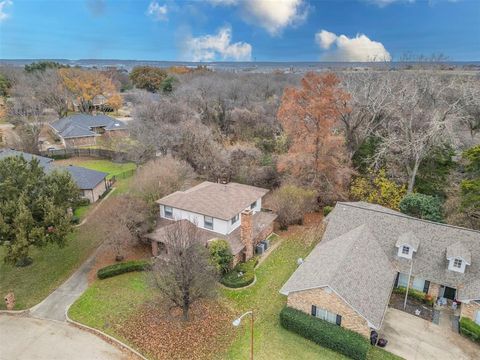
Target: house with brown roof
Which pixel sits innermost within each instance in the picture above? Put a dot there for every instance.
(229, 211)
(367, 250)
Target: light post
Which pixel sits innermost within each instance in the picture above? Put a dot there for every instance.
(237, 322)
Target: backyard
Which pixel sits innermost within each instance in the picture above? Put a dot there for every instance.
(53, 265)
(126, 308)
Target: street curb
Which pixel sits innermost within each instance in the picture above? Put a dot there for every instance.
(15, 312)
(103, 335)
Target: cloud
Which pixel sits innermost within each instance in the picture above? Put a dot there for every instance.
(3, 5)
(211, 47)
(272, 15)
(96, 7)
(157, 12)
(342, 48)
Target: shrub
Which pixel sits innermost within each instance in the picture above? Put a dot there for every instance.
(233, 279)
(325, 334)
(82, 202)
(75, 220)
(470, 329)
(220, 255)
(422, 206)
(122, 268)
(415, 294)
(327, 210)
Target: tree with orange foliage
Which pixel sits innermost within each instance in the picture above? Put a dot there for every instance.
(84, 85)
(317, 156)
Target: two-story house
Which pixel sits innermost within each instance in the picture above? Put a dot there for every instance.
(367, 250)
(229, 211)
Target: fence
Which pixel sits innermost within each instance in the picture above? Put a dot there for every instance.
(87, 152)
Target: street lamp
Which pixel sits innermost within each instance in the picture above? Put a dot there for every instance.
(237, 322)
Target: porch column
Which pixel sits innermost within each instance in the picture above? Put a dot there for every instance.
(434, 290)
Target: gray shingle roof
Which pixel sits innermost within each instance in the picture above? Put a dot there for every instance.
(459, 250)
(408, 238)
(4, 153)
(86, 179)
(221, 201)
(429, 262)
(355, 267)
(80, 125)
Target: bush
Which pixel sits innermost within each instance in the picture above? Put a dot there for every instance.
(327, 210)
(233, 279)
(470, 329)
(75, 220)
(82, 202)
(422, 206)
(122, 268)
(325, 334)
(220, 255)
(415, 294)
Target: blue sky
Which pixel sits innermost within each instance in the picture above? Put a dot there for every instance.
(262, 30)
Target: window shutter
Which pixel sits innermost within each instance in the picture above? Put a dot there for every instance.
(426, 286)
(314, 310)
(339, 320)
(396, 280)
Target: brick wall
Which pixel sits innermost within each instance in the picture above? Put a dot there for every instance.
(94, 194)
(80, 141)
(434, 290)
(303, 301)
(263, 234)
(469, 310)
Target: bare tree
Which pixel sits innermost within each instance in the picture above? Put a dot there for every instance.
(421, 119)
(161, 177)
(185, 274)
(122, 220)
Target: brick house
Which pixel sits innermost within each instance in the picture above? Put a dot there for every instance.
(85, 130)
(220, 211)
(367, 250)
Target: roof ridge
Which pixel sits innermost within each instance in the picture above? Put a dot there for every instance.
(398, 214)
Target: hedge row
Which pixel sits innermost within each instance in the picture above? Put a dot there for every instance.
(123, 267)
(323, 333)
(233, 279)
(470, 329)
(415, 294)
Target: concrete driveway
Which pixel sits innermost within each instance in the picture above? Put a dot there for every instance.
(414, 338)
(24, 338)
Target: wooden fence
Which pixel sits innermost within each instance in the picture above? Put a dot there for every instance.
(115, 156)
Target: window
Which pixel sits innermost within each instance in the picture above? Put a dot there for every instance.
(234, 219)
(253, 205)
(326, 315)
(457, 263)
(208, 222)
(168, 212)
(405, 250)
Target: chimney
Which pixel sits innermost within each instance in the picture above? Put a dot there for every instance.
(246, 232)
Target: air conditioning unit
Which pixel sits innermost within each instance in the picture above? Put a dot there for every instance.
(267, 243)
(260, 249)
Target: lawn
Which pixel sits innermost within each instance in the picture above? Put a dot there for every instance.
(107, 166)
(51, 267)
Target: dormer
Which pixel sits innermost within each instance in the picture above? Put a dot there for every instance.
(458, 257)
(407, 244)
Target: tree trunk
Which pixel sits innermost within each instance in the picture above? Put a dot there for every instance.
(185, 311)
(413, 175)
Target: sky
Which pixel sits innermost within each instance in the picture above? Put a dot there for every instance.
(239, 30)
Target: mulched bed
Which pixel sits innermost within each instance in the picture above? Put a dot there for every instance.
(396, 301)
(162, 334)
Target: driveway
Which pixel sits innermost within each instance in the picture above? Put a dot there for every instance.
(414, 338)
(24, 338)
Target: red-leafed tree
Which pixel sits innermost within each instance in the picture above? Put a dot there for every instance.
(310, 116)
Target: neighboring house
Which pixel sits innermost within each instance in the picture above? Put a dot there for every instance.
(92, 184)
(367, 250)
(220, 211)
(84, 130)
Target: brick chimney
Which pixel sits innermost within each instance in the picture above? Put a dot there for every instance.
(246, 232)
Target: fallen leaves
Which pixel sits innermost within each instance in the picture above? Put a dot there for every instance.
(161, 333)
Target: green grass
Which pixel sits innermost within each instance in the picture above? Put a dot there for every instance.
(110, 167)
(51, 267)
(107, 303)
(110, 301)
(81, 211)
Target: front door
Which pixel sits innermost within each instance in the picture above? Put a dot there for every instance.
(449, 293)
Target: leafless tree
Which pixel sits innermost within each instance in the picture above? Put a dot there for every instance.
(185, 274)
(162, 176)
(122, 220)
(421, 119)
